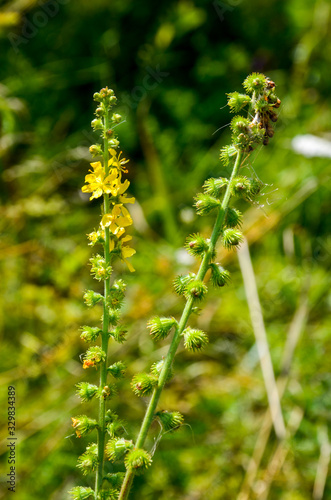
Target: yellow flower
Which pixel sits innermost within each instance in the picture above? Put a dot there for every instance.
(98, 183)
(125, 250)
(117, 161)
(119, 217)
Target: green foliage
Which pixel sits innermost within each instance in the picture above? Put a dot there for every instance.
(204, 51)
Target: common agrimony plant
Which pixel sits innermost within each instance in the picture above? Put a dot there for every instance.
(259, 104)
(105, 181)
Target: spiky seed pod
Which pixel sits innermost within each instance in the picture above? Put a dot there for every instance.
(107, 392)
(119, 334)
(214, 187)
(239, 125)
(237, 101)
(160, 327)
(108, 494)
(156, 369)
(255, 188)
(88, 462)
(96, 124)
(219, 276)
(83, 425)
(93, 357)
(196, 289)
(117, 369)
(118, 289)
(86, 391)
(181, 282)
(115, 428)
(205, 204)
(116, 448)
(234, 217)
(143, 384)
(90, 333)
(227, 154)
(99, 270)
(138, 459)
(91, 298)
(240, 187)
(273, 116)
(114, 316)
(231, 238)
(196, 245)
(194, 340)
(170, 420)
(81, 493)
(115, 480)
(256, 82)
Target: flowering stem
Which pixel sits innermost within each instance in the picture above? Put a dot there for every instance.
(149, 415)
(105, 330)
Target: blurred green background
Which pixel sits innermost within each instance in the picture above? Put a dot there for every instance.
(170, 64)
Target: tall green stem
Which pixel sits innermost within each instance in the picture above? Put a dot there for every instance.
(105, 330)
(149, 415)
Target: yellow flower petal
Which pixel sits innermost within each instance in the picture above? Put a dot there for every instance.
(126, 199)
(130, 266)
(127, 252)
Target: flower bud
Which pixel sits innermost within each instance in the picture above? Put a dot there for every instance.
(116, 448)
(91, 298)
(109, 133)
(117, 370)
(116, 118)
(100, 112)
(194, 340)
(232, 238)
(83, 425)
(219, 276)
(170, 420)
(143, 384)
(95, 150)
(160, 327)
(205, 203)
(97, 124)
(137, 459)
(86, 391)
(81, 493)
(196, 289)
(113, 143)
(88, 462)
(214, 187)
(97, 96)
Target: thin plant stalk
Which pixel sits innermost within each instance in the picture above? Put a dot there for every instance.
(149, 415)
(261, 340)
(105, 334)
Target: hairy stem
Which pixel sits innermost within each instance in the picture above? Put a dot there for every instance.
(149, 415)
(105, 329)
